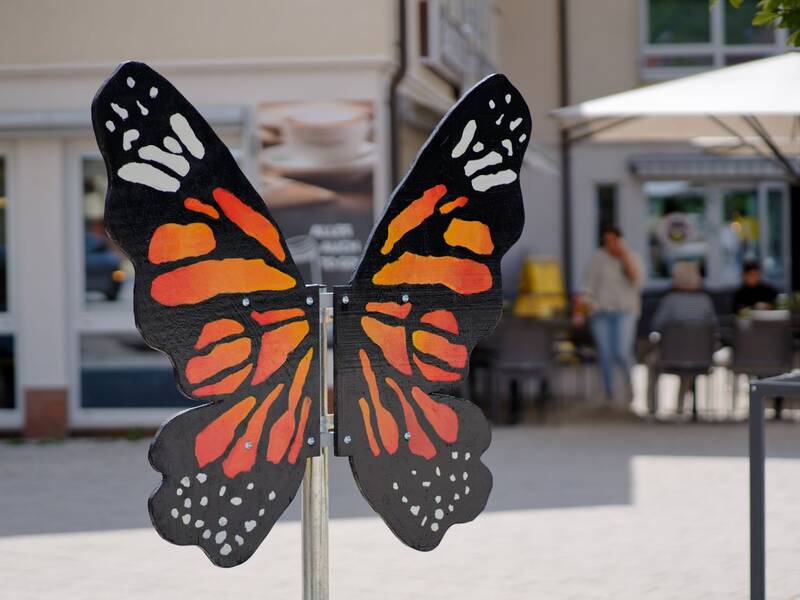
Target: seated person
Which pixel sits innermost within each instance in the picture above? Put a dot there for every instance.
(685, 302)
(753, 293)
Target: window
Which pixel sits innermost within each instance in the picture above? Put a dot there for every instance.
(606, 195)
(3, 240)
(685, 36)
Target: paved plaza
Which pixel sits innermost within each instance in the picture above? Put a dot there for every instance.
(583, 510)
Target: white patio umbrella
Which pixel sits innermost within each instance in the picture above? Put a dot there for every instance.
(752, 107)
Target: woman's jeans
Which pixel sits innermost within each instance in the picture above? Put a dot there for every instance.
(613, 333)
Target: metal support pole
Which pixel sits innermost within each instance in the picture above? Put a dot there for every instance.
(757, 549)
(314, 508)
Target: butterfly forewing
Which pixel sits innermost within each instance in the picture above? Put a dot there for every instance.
(426, 291)
(218, 292)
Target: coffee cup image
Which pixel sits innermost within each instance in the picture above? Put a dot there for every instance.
(326, 132)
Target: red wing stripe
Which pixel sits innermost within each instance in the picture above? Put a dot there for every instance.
(212, 441)
(227, 385)
(419, 444)
(373, 444)
(280, 434)
(472, 235)
(443, 418)
(454, 355)
(216, 331)
(462, 275)
(434, 373)
(208, 278)
(391, 340)
(172, 241)
(201, 207)
(412, 216)
(221, 357)
(251, 222)
(269, 317)
(299, 435)
(392, 309)
(243, 455)
(442, 319)
(449, 207)
(276, 346)
(387, 427)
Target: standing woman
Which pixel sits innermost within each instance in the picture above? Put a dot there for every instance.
(611, 297)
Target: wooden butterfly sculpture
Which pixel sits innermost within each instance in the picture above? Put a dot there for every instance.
(218, 292)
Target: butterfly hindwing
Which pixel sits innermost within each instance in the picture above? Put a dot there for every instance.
(428, 288)
(218, 292)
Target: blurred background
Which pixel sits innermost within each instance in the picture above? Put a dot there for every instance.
(324, 105)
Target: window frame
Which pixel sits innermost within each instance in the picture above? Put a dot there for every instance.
(716, 48)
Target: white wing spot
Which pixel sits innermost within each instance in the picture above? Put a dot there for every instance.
(186, 135)
(272, 495)
(491, 103)
(201, 477)
(467, 455)
(130, 136)
(179, 492)
(452, 477)
(153, 92)
(110, 125)
(123, 114)
(424, 520)
(171, 144)
(250, 485)
(239, 539)
(454, 455)
(148, 175)
(261, 512)
(515, 123)
(220, 537)
(509, 148)
(395, 486)
(236, 501)
(222, 521)
(249, 526)
(404, 499)
(484, 182)
(185, 482)
(187, 503)
(177, 163)
(439, 514)
(508, 98)
(199, 523)
(466, 139)
(414, 510)
(174, 512)
(450, 508)
(203, 500)
(130, 81)
(186, 518)
(225, 550)
(142, 109)
(426, 484)
(434, 527)
(477, 147)
(522, 138)
(438, 499)
(466, 490)
(206, 534)
(499, 119)
(492, 158)
(222, 490)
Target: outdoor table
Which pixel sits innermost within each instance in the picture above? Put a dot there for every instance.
(784, 386)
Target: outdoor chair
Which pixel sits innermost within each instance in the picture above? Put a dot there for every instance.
(520, 349)
(685, 349)
(761, 348)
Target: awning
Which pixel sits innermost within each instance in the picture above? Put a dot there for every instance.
(753, 106)
(705, 167)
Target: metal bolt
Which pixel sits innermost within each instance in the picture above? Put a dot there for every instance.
(248, 445)
(404, 297)
(345, 299)
(311, 441)
(309, 300)
(407, 435)
(245, 301)
(347, 439)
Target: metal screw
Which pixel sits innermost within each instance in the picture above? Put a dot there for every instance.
(248, 445)
(345, 299)
(309, 300)
(245, 301)
(404, 298)
(311, 441)
(407, 435)
(347, 439)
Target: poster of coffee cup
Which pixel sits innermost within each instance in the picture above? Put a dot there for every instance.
(316, 175)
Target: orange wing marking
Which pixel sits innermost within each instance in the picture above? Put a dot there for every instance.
(221, 357)
(172, 241)
(373, 444)
(243, 455)
(201, 207)
(217, 330)
(443, 319)
(393, 309)
(212, 441)
(454, 355)
(276, 345)
(391, 340)
(434, 373)
(387, 427)
(443, 418)
(226, 385)
(280, 434)
(250, 221)
(462, 275)
(449, 207)
(205, 279)
(472, 235)
(299, 435)
(419, 444)
(269, 317)
(412, 216)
